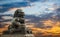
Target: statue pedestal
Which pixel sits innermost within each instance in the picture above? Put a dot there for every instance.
(21, 31)
(18, 35)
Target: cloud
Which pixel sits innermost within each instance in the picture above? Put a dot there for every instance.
(36, 5)
(6, 17)
(15, 1)
(10, 1)
(37, 8)
(6, 7)
(1, 7)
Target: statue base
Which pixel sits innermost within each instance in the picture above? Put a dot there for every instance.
(17, 35)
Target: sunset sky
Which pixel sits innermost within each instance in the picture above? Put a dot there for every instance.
(44, 14)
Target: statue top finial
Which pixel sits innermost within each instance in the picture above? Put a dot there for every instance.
(19, 13)
(19, 10)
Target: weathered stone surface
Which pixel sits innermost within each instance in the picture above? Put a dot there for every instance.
(13, 35)
(18, 27)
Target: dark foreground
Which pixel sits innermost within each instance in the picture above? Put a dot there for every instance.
(24, 36)
(17, 35)
(11, 36)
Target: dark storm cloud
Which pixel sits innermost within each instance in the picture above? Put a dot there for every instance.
(7, 4)
(13, 5)
(34, 0)
(58, 14)
(58, 10)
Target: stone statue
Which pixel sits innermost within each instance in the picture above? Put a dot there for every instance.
(18, 22)
(18, 25)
